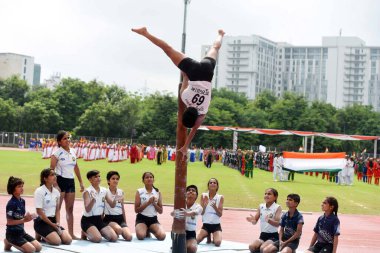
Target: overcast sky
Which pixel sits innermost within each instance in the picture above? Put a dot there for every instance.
(91, 39)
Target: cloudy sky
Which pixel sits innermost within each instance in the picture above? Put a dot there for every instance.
(91, 39)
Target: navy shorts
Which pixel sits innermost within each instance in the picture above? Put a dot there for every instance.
(44, 229)
(66, 185)
(190, 235)
(322, 248)
(119, 219)
(198, 71)
(18, 238)
(293, 245)
(269, 236)
(148, 221)
(87, 222)
(212, 228)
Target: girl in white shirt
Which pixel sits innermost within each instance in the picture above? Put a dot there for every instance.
(64, 162)
(115, 216)
(94, 198)
(148, 202)
(46, 201)
(191, 213)
(269, 214)
(212, 204)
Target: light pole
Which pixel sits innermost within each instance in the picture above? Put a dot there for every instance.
(183, 47)
(178, 227)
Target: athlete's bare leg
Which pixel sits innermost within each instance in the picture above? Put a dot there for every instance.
(213, 52)
(174, 55)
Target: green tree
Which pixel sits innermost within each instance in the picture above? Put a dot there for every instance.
(74, 97)
(158, 118)
(105, 119)
(36, 117)
(265, 100)
(285, 114)
(14, 88)
(8, 115)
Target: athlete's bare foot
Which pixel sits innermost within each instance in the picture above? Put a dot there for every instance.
(74, 237)
(141, 31)
(7, 245)
(221, 32)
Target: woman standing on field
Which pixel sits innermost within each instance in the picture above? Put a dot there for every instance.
(64, 162)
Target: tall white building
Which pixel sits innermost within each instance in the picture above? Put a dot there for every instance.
(21, 65)
(343, 71)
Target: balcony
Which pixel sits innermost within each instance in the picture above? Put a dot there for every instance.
(237, 78)
(237, 58)
(236, 86)
(353, 74)
(237, 65)
(354, 67)
(353, 60)
(238, 51)
(355, 54)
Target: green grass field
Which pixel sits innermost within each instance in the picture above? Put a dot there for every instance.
(238, 191)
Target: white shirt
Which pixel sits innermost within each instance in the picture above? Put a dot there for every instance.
(118, 209)
(271, 213)
(280, 161)
(149, 211)
(66, 162)
(275, 162)
(100, 198)
(210, 216)
(46, 200)
(198, 95)
(191, 222)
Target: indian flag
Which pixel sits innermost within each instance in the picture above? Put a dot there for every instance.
(332, 162)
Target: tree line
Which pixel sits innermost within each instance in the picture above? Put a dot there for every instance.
(96, 109)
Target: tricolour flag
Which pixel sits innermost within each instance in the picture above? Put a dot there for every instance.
(332, 162)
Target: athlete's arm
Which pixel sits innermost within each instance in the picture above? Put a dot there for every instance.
(277, 217)
(313, 240)
(335, 246)
(77, 173)
(88, 201)
(191, 135)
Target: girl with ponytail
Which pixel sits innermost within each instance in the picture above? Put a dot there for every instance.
(327, 229)
(15, 235)
(148, 202)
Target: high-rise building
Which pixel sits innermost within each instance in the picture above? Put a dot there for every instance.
(37, 74)
(342, 72)
(20, 65)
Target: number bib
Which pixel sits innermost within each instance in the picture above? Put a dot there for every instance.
(197, 95)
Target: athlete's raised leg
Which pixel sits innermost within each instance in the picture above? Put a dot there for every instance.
(174, 55)
(213, 52)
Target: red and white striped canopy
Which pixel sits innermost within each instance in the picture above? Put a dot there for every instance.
(344, 137)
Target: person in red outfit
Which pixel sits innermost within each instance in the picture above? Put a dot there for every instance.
(134, 153)
(376, 172)
(371, 165)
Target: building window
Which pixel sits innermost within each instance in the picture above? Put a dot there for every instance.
(24, 70)
(25, 61)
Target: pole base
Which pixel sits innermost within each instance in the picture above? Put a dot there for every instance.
(179, 243)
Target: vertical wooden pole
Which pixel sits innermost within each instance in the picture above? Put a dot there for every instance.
(178, 228)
